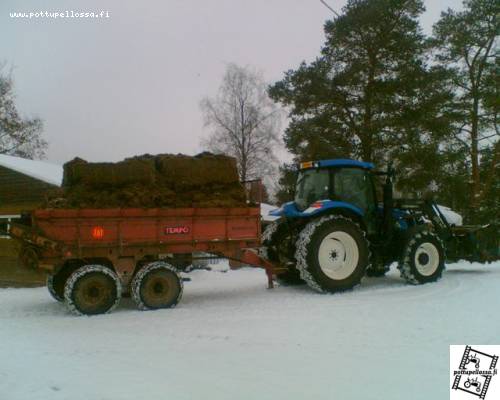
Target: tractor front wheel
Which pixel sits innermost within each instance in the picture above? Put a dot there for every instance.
(423, 258)
(332, 254)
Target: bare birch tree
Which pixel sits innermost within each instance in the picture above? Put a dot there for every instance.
(244, 122)
(18, 136)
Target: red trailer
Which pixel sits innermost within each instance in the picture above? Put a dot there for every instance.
(94, 255)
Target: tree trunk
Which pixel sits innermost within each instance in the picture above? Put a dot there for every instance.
(474, 152)
(367, 134)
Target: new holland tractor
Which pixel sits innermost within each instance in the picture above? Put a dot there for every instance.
(336, 231)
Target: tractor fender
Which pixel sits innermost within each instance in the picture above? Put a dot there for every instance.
(324, 206)
(317, 209)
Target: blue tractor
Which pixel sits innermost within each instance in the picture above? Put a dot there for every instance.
(336, 231)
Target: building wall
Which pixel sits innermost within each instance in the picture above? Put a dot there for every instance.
(19, 192)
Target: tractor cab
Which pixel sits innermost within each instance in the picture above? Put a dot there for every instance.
(343, 185)
(338, 180)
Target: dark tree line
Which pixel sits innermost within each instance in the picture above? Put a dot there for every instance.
(382, 91)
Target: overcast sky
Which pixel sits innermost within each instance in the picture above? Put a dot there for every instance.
(131, 83)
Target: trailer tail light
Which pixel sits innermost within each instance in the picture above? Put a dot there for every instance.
(97, 232)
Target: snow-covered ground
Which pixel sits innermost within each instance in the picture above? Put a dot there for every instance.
(230, 338)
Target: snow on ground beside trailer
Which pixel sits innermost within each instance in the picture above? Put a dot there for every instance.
(230, 338)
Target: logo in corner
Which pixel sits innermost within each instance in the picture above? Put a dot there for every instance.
(474, 371)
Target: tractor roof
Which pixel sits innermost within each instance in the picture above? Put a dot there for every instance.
(338, 162)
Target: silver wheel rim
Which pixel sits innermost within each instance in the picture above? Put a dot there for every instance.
(427, 259)
(338, 255)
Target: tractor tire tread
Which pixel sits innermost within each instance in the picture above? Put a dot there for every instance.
(404, 266)
(304, 239)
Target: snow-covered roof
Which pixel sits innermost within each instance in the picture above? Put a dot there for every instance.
(41, 170)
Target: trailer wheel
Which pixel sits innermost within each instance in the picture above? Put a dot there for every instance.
(278, 246)
(423, 258)
(56, 282)
(51, 286)
(332, 254)
(91, 290)
(157, 285)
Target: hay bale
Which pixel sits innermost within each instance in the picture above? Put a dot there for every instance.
(103, 175)
(69, 173)
(146, 181)
(182, 171)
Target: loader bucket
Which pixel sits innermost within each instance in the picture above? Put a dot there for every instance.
(488, 243)
(474, 243)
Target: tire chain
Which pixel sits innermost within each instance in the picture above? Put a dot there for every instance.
(304, 239)
(52, 290)
(404, 266)
(68, 287)
(135, 286)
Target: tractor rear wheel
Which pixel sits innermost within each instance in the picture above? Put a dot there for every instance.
(332, 254)
(92, 289)
(423, 258)
(277, 239)
(157, 285)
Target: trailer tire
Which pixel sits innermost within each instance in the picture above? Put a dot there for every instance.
(157, 285)
(92, 290)
(273, 237)
(51, 286)
(57, 281)
(336, 265)
(423, 258)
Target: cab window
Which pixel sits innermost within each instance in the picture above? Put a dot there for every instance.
(354, 186)
(312, 185)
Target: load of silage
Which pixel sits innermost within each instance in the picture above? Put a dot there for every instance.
(164, 180)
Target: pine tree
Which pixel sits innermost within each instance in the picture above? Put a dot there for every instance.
(467, 43)
(371, 94)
